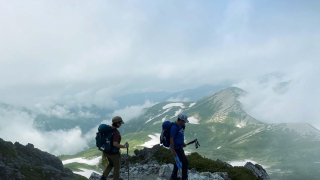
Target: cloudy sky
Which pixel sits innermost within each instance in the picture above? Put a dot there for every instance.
(87, 52)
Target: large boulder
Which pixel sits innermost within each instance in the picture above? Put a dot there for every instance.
(166, 171)
(257, 170)
(19, 162)
(146, 154)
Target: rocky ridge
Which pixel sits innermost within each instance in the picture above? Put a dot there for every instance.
(150, 169)
(19, 162)
(162, 172)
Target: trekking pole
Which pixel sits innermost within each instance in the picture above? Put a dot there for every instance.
(194, 141)
(128, 161)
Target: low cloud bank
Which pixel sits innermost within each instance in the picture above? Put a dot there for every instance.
(293, 97)
(16, 125)
(131, 112)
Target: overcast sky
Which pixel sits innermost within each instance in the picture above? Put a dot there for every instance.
(86, 52)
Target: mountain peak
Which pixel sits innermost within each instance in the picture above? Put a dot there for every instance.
(223, 106)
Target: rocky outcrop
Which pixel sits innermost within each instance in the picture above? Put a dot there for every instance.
(19, 162)
(257, 170)
(162, 172)
(147, 153)
(150, 169)
(144, 166)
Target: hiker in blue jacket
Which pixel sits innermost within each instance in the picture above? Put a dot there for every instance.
(177, 145)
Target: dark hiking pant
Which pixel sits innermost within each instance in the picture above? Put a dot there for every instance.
(184, 161)
(114, 162)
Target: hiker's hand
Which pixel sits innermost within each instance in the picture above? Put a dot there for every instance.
(184, 145)
(174, 153)
(127, 145)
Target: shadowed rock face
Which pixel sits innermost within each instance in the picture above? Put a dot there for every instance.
(257, 170)
(26, 162)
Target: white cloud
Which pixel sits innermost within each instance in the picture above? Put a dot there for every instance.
(84, 53)
(63, 112)
(297, 100)
(91, 134)
(80, 53)
(16, 125)
(131, 112)
(179, 98)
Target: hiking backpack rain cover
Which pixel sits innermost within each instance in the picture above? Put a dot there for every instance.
(104, 139)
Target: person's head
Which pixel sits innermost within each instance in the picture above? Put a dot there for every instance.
(117, 121)
(182, 119)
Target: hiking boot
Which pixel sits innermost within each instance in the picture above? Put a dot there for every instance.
(103, 178)
(177, 178)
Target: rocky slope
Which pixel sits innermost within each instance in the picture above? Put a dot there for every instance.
(19, 162)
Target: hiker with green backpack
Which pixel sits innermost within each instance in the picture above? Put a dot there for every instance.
(108, 140)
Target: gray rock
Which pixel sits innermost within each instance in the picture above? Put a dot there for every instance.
(94, 176)
(224, 175)
(28, 157)
(145, 167)
(17, 165)
(257, 170)
(30, 145)
(153, 162)
(2, 165)
(196, 176)
(209, 175)
(165, 171)
(193, 170)
(216, 177)
(147, 153)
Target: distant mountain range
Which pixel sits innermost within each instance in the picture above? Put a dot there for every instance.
(225, 131)
(97, 114)
(189, 95)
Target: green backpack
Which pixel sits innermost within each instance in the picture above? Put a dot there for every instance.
(104, 139)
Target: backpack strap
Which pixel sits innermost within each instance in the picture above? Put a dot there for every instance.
(111, 143)
(183, 127)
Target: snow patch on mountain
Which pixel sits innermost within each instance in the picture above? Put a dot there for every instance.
(155, 139)
(219, 147)
(193, 120)
(239, 126)
(249, 134)
(173, 105)
(163, 119)
(192, 104)
(85, 172)
(178, 112)
(91, 162)
(158, 115)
